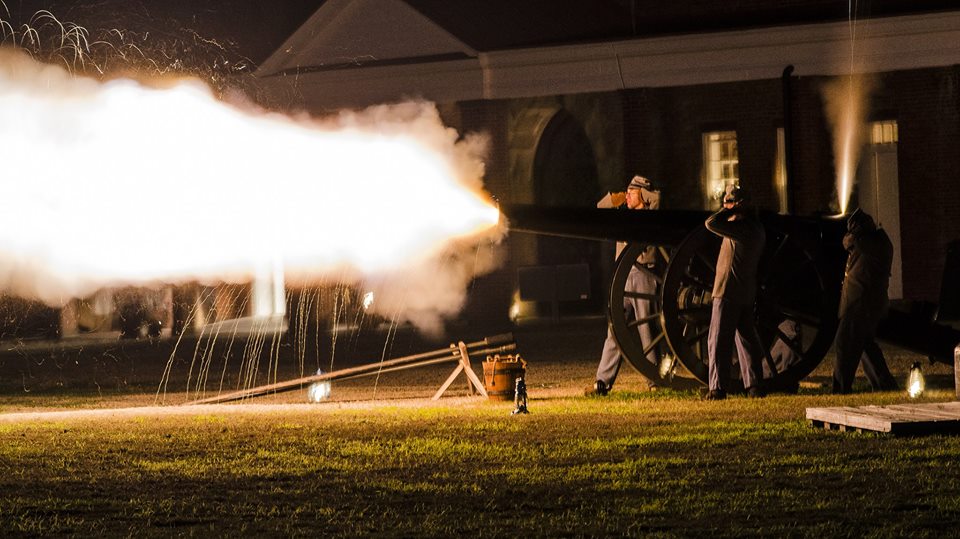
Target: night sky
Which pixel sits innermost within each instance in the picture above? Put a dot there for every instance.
(254, 29)
(249, 28)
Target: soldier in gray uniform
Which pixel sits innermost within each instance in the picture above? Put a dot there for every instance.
(639, 196)
(863, 302)
(734, 294)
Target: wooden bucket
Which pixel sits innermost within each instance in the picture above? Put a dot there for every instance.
(500, 376)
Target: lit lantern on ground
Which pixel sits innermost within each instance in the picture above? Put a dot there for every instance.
(915, 382)
(319, 391)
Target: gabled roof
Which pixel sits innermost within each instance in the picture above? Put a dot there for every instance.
(348, 33)
(361, 52)
(345, 33)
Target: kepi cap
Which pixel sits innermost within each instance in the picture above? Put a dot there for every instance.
(639, 182)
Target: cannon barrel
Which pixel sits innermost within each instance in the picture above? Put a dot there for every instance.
(661, 227)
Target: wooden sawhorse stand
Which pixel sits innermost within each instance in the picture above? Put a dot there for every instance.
(474, 385)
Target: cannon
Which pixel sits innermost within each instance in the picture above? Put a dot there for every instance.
(801, 275)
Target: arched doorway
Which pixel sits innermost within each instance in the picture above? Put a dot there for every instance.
(565, 174)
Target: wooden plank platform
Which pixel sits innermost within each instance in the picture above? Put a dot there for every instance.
(923, 418)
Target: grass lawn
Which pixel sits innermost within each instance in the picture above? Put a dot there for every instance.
(634, 464)
(82, 462)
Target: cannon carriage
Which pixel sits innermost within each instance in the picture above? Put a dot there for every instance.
(801, 274)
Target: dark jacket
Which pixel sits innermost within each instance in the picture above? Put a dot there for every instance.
(870, 255)
(740, 253)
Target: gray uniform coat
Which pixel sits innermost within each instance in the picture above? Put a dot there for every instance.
(740, 253)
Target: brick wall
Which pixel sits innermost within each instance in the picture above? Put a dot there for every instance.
(926, 107)
(663, 129)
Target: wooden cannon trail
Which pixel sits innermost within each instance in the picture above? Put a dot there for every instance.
(459, 353)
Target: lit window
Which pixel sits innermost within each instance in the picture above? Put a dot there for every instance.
(721, 163)
(884, 132)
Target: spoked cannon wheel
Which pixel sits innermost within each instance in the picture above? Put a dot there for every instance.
(796, 310)
(664, 369)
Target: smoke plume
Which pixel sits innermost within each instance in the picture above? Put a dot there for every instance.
(128, 182)
(846, 107)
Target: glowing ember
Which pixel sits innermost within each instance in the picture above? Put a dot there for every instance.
(120, 183)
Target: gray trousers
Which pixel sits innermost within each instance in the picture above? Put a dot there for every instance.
(855, 340)
(732, 322)
(635, 309)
